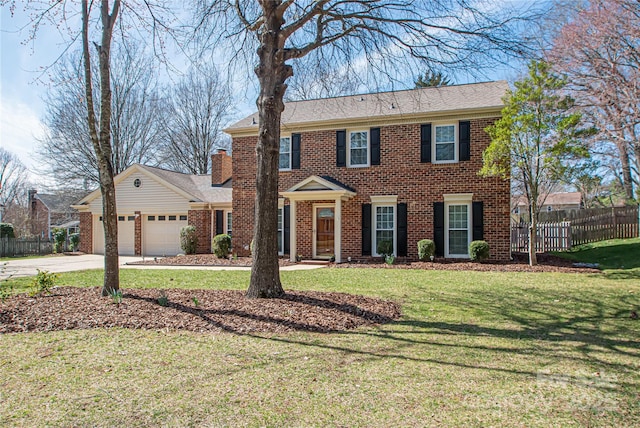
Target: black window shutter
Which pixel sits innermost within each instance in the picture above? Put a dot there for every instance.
(402, 229)
(366, 229)
(438, 227)
(295, 151)
(341, 148)
(464, 144)
(219, 222)
(286, 212)
(425, 143)
(375, 146)
(478, 221)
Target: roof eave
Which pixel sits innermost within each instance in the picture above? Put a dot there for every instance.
(371, 120)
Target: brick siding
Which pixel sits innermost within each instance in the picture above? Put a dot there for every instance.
(400, 173)
(86, 232)
(201, 219)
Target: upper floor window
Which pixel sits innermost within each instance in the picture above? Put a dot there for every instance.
(358, 148)
(285, 153)
(446, 143)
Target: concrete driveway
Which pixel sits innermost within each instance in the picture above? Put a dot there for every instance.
(28, 267)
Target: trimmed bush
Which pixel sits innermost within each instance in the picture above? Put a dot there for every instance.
(479, 251)
(221, 245)
(6, 230)
(188, 239)
(59, 238)
(426, 249)
(385, 248)
(74, 241)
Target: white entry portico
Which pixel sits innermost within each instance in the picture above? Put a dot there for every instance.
(316, 188)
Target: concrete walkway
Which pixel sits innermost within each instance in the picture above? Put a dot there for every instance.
(28, 267)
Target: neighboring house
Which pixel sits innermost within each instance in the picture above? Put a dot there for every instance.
(558, 201)
(399, 166)
(47, 211)
(153, 204)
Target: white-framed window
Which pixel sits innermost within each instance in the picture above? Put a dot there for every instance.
(229, 228)
(457, 217)
(281, 230)
(445, 143)
(516, 210)
(383, 210)
(358, 150)
(285, 153)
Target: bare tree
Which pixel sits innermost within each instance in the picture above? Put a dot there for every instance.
(136, 118)
(13, 179)
(198, 106)
(98, 21)
(599, 52)
(380, 35)
(314, 81)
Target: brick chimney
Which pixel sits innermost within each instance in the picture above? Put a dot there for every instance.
(220, 167)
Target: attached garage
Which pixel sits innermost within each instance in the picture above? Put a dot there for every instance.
(126, 235)
(153, 204)
(161, 234)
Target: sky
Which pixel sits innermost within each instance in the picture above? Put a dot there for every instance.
(22, 88)
(20, 103)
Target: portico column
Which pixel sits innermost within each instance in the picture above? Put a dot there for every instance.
(293, 251)
(338, 231)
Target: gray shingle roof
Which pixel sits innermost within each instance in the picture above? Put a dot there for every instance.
(422, 101)
(60, 203)
(199, 186)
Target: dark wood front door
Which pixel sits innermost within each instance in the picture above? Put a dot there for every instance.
(324, 235)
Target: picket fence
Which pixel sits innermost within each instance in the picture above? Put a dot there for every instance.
(578, 227)
(11, 247)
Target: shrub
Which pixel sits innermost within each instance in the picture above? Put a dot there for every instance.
(6, 230)
(188, 239)
(426, 249)
(479, 251)
(385, 248)
(43, 282)
(390, 259)
(59, 238)
(74, 241)
(221, 245)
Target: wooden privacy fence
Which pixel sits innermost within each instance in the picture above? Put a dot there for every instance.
(10, 247)
(550, 237)
(578, 227)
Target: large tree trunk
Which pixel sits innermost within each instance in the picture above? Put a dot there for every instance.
(627, 180)
(102, 140)
(272, 73)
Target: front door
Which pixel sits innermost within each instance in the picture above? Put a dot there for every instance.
(324, 245)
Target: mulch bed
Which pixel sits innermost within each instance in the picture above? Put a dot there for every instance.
(520, 263)
(202, 260)
(216, 310)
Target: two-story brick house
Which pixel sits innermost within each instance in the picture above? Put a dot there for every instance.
(400, 166)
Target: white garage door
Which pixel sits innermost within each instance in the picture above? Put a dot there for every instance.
(161, 234)
(126, 235)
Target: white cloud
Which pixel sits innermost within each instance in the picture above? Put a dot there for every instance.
(20, 129)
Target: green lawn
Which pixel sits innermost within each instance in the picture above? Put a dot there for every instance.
(472, 349)
(618, 257)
